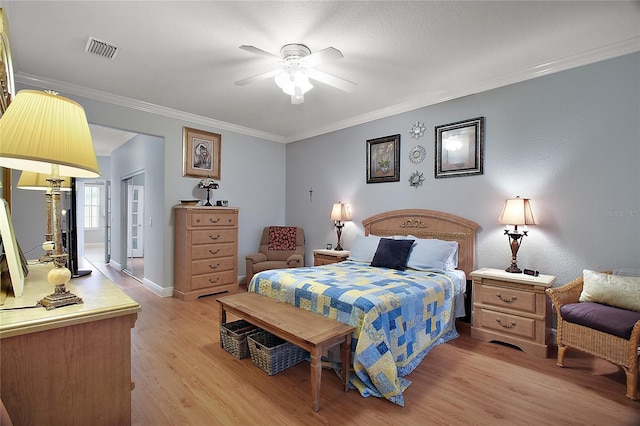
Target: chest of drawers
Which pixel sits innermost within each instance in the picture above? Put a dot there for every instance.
(205, 251)
(511, 308)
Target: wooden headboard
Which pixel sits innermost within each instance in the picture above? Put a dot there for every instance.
(429, 224)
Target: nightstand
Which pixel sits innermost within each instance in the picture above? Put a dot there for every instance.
(326, 257)
(512, 308)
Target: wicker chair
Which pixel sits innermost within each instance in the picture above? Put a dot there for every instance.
(617, 350)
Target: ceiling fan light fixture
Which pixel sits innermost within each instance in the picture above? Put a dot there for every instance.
(294, 83)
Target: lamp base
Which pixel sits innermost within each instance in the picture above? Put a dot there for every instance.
(513, 269)
(60, 297)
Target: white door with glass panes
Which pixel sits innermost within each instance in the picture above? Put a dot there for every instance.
(135, 213)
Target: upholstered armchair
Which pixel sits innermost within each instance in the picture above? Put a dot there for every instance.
(281, 247)
(597, 314)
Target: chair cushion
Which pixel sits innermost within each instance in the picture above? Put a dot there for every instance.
(282, 238)
(607, 319)
(613, 290)
(269, 264)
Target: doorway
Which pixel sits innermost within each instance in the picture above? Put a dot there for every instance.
(133, 225)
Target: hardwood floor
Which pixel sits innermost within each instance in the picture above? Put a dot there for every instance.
(183, 377)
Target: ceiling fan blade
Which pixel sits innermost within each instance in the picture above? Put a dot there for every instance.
(258, 77)
(322, 56)
(332, 80)
(260, 52)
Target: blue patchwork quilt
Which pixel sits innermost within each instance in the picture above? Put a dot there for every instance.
(399, 316)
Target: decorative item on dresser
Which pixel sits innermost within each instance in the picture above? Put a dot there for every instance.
(327, 257)
(208, 184)
(205, 251)
(512, 308)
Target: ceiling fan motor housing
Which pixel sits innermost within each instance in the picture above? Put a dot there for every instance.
(294, 52)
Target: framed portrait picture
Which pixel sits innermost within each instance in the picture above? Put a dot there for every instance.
(459, 148)
(201, 153)
(383, 159)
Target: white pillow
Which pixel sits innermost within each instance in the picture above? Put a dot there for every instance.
(432, 253)
(613, 290)
(364, 248)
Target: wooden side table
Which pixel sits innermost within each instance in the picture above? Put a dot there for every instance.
(326, 257)
(512, 308)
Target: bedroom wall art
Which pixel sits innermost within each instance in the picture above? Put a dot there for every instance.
(383, 159)
(201, 153)
(459, 148)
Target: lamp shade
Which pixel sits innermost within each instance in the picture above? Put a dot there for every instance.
(40, 130)
(517, 211)
(38, 181)
(341, 212)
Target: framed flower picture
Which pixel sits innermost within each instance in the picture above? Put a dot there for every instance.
(383, 159)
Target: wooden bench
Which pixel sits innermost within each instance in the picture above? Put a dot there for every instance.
(309, 331)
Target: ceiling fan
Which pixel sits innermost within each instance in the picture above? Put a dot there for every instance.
(296, 65)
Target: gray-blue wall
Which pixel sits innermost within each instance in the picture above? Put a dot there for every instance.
(569, 141)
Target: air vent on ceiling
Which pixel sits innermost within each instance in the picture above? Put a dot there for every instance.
(101, 48)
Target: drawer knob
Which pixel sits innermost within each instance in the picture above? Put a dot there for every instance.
(214, 281)
(214, 221)
(212, 266)
(513, 298)
(506, 325)
(214, 252)
(214, 238)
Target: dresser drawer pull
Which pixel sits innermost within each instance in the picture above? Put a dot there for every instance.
(214, 221)
(214, 238)
(499, 321)
(513, 298)
(214, 281)
(214, 252)
(214, 266)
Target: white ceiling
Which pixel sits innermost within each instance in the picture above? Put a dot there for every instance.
(181, 58)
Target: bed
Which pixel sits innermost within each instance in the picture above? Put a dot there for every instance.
(399, 315)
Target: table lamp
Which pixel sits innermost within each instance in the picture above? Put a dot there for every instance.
(340, 214)
(45, 133)
(516, 212)
(38, 182)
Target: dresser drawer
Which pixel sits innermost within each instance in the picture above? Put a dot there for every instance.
(518, 300)
(208, 266)
(211, 251)
(507, 324)
(211, 236)
(199, 220)
(212, 280)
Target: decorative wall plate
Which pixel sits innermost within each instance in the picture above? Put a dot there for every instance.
(417, 154)
(416, 179)
(417, 130)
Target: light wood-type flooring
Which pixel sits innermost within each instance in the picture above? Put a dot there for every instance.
(183, 377)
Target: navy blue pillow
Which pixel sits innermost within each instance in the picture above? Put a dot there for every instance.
(392, 253)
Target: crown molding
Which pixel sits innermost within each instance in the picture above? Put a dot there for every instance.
(573, 61)
(98, 95)
(611, 51)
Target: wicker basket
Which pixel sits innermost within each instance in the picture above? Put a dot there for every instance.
(272, 354)
(234, 337)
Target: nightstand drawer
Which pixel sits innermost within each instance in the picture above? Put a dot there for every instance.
(504, 297)
(507, 324)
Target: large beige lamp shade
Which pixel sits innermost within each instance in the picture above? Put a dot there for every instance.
(41, 129)
(39, 182)
(45, 133)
